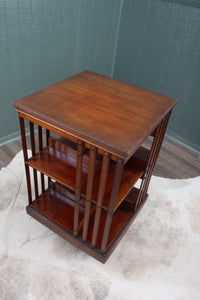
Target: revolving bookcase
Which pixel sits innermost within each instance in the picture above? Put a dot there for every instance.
(87, 134)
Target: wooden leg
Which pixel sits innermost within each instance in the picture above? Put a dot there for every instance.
(24, 146)
(78, 185)
(102, 185)
(89, 192)
(113, 197)
(31, 127)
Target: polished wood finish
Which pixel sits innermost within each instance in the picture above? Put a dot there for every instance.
(32, 137)
(152, 158)
(40, 142)
(101, 191)
(89, 191)
(113, 198)
(175, 160)
(131, 173)
(24, 146)
(94, 163)
(47, 143)
(79, 171)
(57, 164)
(57, 207)
(121, 222)
(82, 103)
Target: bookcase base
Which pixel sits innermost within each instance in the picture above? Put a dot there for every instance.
(76, 240)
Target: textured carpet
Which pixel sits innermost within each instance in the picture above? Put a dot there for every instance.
(158, 258)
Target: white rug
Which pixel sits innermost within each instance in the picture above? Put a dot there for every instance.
(158, 258)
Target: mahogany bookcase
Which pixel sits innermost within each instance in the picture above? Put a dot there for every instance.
(90, 131)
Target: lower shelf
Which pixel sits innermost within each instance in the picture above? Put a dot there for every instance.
(56, 211)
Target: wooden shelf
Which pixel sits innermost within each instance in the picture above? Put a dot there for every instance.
(57, 204)
(131, 199)
(119, 220)
(59, 165)
(57, 207)
(60, 190)
(133, 170)
(55, 211)
(142, 155)
(59, 162)
(129, 178)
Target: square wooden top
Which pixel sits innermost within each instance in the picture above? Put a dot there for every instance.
(111, 114)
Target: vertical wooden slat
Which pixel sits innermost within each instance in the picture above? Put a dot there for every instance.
(47, 143)
(47, 136)
(89, 192)
(102, 185)
(113, 197)
(40, 149)
(24, 146)
(32, 136)
(78, 185)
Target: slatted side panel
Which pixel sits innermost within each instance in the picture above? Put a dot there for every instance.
(155, 148)
(159, 143)
(89, 212)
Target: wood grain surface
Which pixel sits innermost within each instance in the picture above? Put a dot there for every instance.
(101, 110)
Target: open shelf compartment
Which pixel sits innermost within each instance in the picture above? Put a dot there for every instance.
(54, 206)
(59, 162)
(133, 170)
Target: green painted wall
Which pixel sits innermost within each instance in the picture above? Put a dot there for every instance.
(44, 41)
(159, 49)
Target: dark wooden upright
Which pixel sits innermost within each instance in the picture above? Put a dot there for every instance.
(86, 189)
